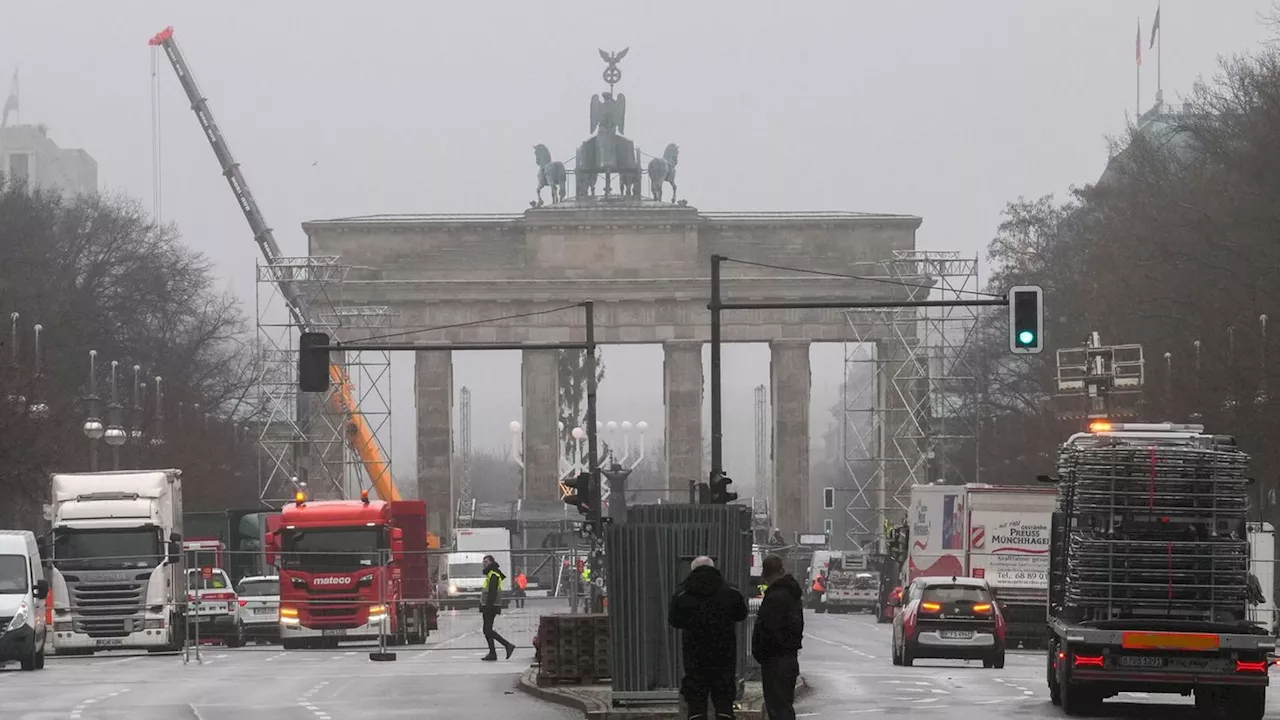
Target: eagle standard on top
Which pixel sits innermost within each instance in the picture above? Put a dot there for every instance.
(1149, 572)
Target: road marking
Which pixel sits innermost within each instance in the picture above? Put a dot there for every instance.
(305, 700)
(84, 704)
(850, 648)
(275, 657)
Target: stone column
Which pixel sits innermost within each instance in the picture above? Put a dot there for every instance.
(433, 399)
(790, 382)
(682, 394)
(540, 399)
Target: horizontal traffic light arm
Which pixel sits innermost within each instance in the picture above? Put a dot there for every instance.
(855, 304)
(423, 347)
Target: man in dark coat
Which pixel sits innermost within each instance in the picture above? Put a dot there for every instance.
(491, 607)
(775, 642)
(707, 610)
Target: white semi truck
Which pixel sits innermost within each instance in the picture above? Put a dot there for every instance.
(464, 568)
(116, 557)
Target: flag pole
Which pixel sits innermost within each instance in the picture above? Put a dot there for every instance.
(1137, 74)
(1159, 46)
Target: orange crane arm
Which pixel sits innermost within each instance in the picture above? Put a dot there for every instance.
(360, 436)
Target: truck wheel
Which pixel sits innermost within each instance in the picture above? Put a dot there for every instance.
(1051, 674)
(1079, 699)
(1238, 703)
(236, 638)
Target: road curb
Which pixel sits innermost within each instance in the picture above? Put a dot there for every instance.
(594, 709)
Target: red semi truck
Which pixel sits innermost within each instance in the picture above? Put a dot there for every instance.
(351, 570)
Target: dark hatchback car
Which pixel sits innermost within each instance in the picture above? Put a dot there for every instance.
(948, 618)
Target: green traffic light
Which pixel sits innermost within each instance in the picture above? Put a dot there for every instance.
(1026, 337)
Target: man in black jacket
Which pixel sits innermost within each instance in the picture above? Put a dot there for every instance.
(775, 643)
(707, 609)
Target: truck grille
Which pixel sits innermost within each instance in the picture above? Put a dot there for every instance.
(334, 607)
(104, 609)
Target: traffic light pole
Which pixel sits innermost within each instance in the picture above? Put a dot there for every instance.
(717, 305)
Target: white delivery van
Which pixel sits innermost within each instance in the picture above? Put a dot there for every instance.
(23, 590)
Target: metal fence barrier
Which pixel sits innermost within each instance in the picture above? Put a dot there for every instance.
(648, 557)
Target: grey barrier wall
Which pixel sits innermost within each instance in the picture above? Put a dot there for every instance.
(648, 555)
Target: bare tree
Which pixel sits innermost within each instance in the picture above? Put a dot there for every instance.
(98, 274)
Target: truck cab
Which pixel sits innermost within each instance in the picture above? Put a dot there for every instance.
(116, 561)
(352, 570)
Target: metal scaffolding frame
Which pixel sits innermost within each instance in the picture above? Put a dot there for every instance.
(910, 392)
(303, 437)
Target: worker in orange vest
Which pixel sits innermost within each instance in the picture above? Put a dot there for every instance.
(819, 588)
(521, 582)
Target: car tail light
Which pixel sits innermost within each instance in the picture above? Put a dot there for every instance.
(243, 603)
(220, 596)
(982, 608)
(932, 607)
(1251, 666)
(1088, 661)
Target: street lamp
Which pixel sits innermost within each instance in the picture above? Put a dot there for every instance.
(157, 437)
(515, 429)
(93, 427)
(115, 436)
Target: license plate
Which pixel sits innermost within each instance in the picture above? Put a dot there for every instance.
(334, 632)
(1139, 661)
(110, 642)
(264, 611)
(956, 634)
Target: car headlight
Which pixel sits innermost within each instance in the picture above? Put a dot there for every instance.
(453, 589)
(20, 618)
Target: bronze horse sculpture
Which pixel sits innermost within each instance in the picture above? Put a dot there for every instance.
(663, 170)
(551, 173)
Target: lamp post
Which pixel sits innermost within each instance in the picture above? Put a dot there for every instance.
(115, 434)
(93, 428)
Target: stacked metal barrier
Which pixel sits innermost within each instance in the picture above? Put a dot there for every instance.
(1155, 531)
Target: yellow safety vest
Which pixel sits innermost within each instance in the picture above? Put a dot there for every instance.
(492, 577)
(763, 589)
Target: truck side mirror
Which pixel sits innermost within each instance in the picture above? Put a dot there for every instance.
(175, 537)
(175, 551)
(42, 589)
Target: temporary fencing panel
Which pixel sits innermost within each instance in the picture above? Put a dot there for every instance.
(647, 557)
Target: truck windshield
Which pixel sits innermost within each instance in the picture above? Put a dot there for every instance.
(332, 549)
(466, 570)
(107, 549)
(13, 574)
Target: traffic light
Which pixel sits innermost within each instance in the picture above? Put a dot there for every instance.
(313, 363)
(1026, 319)
(719, 490)
(578, 492)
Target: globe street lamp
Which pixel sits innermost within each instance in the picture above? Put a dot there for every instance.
(115, 436)
(93, 427)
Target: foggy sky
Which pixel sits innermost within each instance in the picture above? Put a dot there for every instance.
(940, 109)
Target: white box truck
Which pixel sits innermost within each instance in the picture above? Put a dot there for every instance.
(464, 566)
(1008, 546)
(116, 559)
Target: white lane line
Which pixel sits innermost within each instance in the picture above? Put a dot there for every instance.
(78, 710)
(305, 701)
(276, 657)
(850, 648)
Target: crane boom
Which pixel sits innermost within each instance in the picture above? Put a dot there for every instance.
(360, 436)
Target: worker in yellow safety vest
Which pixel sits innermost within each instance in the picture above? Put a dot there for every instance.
(491, 607)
